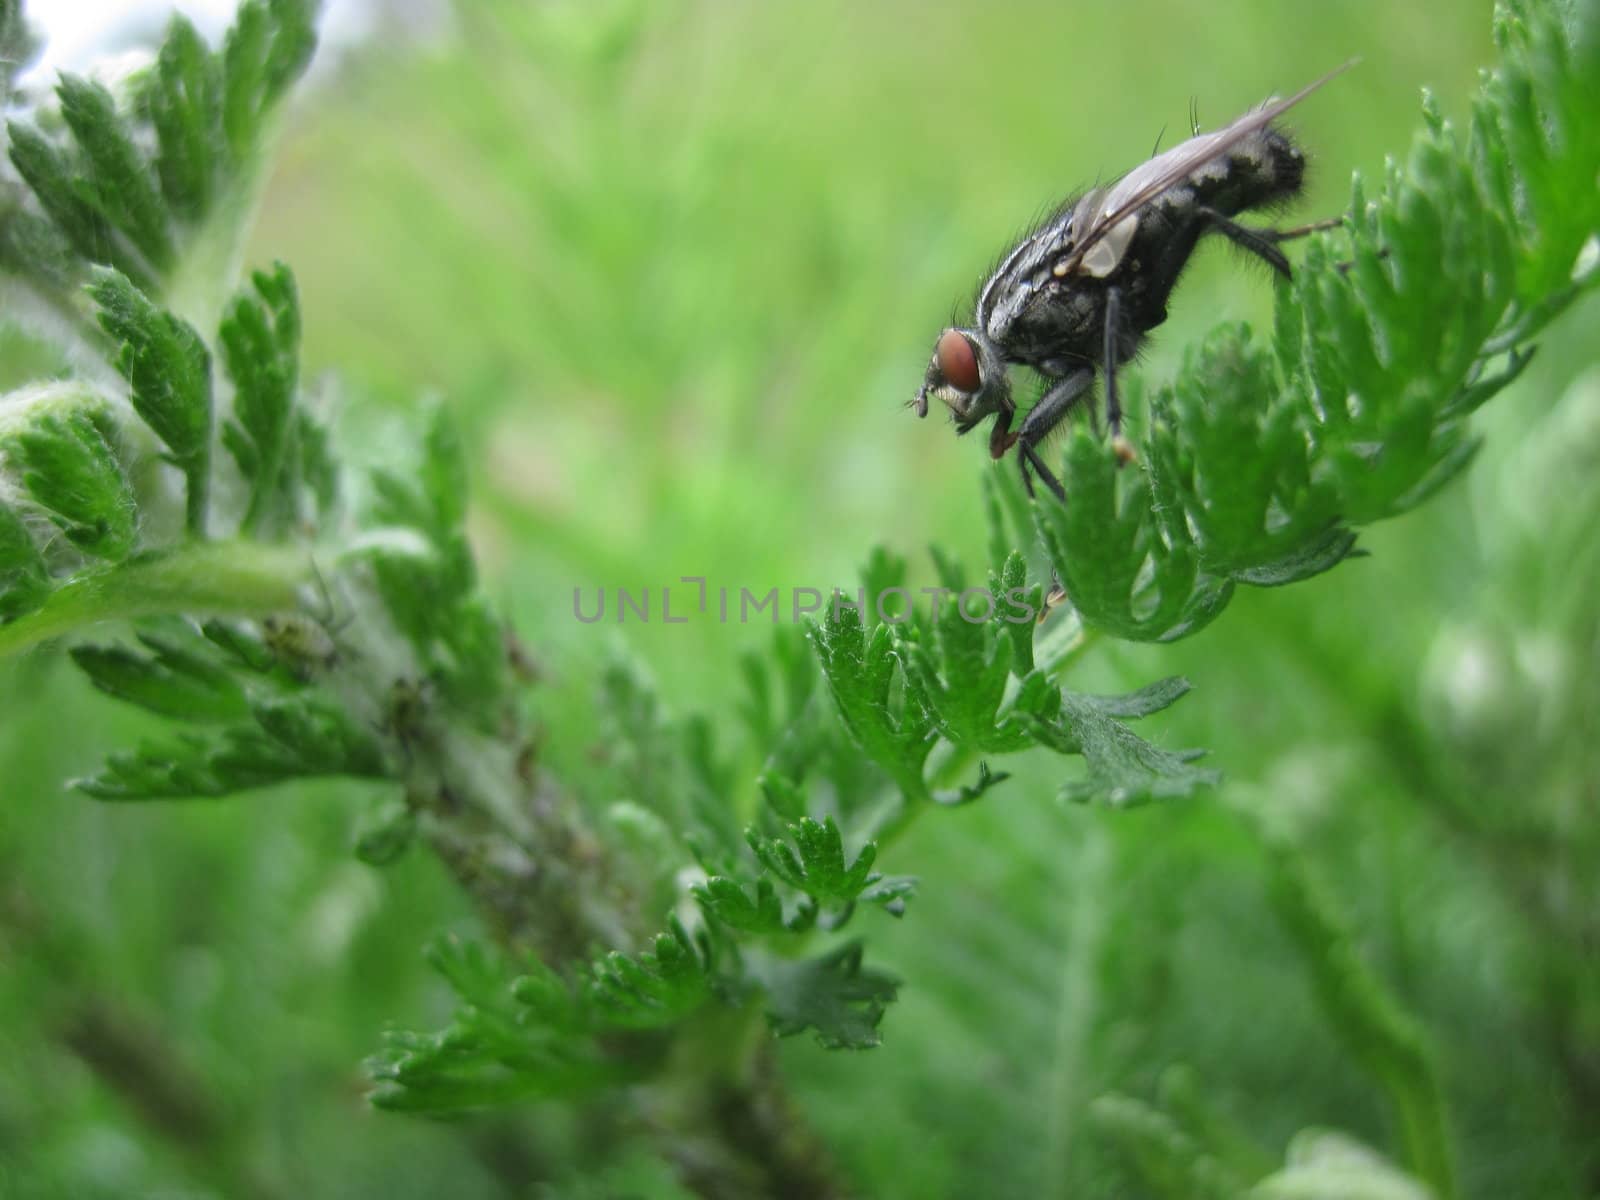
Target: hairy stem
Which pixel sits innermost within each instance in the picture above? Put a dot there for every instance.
(238, 578)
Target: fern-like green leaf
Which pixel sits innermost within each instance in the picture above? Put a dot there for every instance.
(894, 731)
(24, 578)
(754, 909)
(1125, 571)
(290, 737)
(66, 449)
(1124, 770)
(115, 173)
(656, 987)
(960, 661)
(261, 350)
(513, 1039)
(183, 103)
(169, 370)
(266, 50)
(833, 994)
(173, 680)
(814, 860)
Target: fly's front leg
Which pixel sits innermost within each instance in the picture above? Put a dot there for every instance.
(1001, 438)
(1042, 418)
(1026, 456)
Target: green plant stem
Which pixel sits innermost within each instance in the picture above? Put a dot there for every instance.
(196, 578)
(1078, 1002)
(728, 1124)
(197, 498)
(198, 286)
(1380, 1033)
(1420, 1108)
(266, 485)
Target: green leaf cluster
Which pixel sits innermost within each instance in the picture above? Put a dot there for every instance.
(515, 1037)
(78, 463)
(112, 192)
(271, 727)
(127, 180)
(964, 674)
(63, 444)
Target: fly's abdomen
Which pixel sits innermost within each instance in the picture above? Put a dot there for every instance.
(1261, 171)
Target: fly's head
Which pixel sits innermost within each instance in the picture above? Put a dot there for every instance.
(968, 376)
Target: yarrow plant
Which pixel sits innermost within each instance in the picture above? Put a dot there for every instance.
(177, 517)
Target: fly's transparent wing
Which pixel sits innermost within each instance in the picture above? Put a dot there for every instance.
(1113, 224)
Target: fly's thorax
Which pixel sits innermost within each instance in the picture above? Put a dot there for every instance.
(1064, 317)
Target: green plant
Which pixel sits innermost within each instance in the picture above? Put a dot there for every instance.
(299, 618)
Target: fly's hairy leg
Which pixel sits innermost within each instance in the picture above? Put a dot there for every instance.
(1263, 242)
(1052, 408)
(1113, 322)
(1119, 444)
(1027, 456)
(1258, 241)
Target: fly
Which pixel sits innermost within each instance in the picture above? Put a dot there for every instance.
(1080, 293)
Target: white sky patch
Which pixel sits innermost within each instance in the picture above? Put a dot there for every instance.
(78, 33)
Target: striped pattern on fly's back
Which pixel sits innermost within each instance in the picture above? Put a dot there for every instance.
(1245, 165)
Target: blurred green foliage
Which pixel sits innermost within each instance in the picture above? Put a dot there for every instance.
(675, 268)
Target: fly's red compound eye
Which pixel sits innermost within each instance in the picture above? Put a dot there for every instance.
(957, 362)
